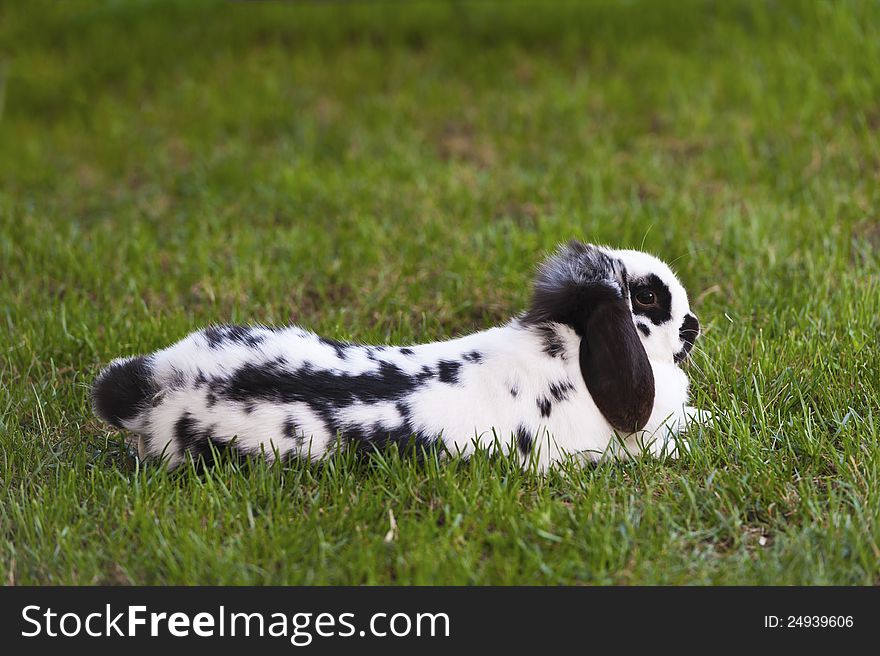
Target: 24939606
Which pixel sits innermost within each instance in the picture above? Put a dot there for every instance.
(808, 621)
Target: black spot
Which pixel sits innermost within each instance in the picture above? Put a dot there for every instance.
(340, 347)
(406, 351)
(523, 440)
(198, 441)
(560, 391)
(551, 343)
(514, 391)
(375, 437)
(449, 370)
(404, 436)
(211, 383)
(214, 336)
(177, 379)
(661, 311)
(688, 333)
(123, 390)
(244, 335)
(544, 406)
(218, 336)
(288, 429)
(644, 329)
(321, 388)
(187, 432)
(474, 356)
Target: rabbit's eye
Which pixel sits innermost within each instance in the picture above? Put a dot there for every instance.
(646, 297)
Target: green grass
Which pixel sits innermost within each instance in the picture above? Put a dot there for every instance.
(391, 171)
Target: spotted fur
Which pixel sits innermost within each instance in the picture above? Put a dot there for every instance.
(528, 386)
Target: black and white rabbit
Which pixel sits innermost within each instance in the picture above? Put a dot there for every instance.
(590, 369)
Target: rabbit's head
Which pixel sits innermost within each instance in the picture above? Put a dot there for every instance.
(660, 307)
(629, 310)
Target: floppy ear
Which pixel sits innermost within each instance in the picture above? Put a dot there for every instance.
(615, 366)
(583, 287)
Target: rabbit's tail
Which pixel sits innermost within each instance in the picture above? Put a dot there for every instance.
(123, 390)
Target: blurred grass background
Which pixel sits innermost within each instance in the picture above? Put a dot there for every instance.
(389, 171)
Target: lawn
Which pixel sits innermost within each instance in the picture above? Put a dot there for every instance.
(392, 172)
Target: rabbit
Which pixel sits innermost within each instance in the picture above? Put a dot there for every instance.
(590, 370)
